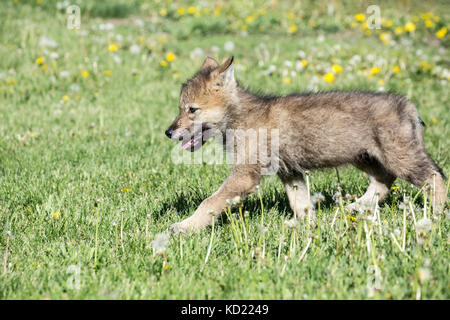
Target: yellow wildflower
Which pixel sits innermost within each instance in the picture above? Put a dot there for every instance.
(191, 10)
(426, 16)
(429, 23)
(374, 71)
(425, 65)
(163, 63)
(388, 23)
(360, 17)
(287, 80)
(398, 30)
(249, 19)
(290, 15)
(113, 47)
(381, 82)
(40, 60)
(304, 62)
(65, 98)
(434, 120)
(180, 11)
(329, 77)
(11, 82)
(337, 68)
(292, 28)
(163, 12)
(84, 74)
(107, 72)
(170, 56)
(44, 66)
(395, 188)
(410, 27)
(56, 215)
(385, 37)
(396, 69)
(441, 33)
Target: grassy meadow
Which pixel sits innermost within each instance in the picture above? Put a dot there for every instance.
(87, 182)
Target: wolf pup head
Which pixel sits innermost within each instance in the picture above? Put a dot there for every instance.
(203, 104)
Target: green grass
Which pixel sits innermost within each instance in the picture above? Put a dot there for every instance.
(106, 141)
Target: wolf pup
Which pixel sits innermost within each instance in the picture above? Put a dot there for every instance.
(379, 133)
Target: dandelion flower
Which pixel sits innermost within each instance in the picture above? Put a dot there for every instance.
(317, 197)
(396, 69)
(398, 30)
(429, 23)
(135, 49)
(337, 68)
(286, 80)
(56, 215)
(410, 27)
(170, 56)
(424, 225)
(113, 47)
(163, 12)
(163, 63)
(424, 274)
(374, 71)
(236, 201)
(180, 11)
(329, 77)
(40, 60)
(292, 28)
(441, 33)
(160, 242)
(292, 223)
(65, 98)
(262, 229)
(385, 37)
(84, 74)
(228, 46)
(360, 17)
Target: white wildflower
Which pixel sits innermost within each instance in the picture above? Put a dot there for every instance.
(317, 197)
(135, 49)
(301, 54)
(196, 54)
(424, 225)
(237, 201)
(160, 242)
(262, 230)
(47, 42)
(228, 46)
(424, 274)
(292, 223)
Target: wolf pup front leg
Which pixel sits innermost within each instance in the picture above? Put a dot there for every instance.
(241, 182)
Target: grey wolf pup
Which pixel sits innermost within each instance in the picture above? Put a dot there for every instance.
(378, 133)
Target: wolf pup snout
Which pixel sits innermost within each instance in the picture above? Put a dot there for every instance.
(378, 133)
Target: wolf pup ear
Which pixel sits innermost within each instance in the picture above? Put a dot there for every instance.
(209, 63)
(226, 72)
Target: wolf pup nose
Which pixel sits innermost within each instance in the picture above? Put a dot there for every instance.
(378, 133)
(169, 133)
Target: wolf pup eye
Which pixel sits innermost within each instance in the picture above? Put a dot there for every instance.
(192, 109)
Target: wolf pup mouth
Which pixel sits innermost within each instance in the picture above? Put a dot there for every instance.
(196, 141)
